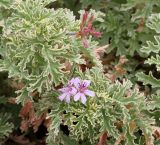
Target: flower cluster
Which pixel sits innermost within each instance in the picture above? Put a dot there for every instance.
(87, 29)
(76, 88)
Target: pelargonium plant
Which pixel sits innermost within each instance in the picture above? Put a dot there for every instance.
(36, 47)
(55, 91)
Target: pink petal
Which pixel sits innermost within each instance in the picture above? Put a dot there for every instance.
(68, 98)
(86, 82)
(61, 97)
(86, 30)
(77, 96)
(89, 93)
(63, 90)
(77, 81)
(74, 91)
(95, 33)
(71, 81)
(85, 15)
(98, 34)
(83, 99)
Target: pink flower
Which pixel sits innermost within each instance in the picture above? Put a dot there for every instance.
(76, 88)
(95, 33)
(82, 90)
(67, 91)
(87, 29)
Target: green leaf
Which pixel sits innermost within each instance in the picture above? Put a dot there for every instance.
(148, 79)
(130, 138)
(23, 96)
(68, 141)
(154, 22)
(154, 103)
(152, 47)
(154, 60)
(3, 99)
(5, 126)
(108, 125)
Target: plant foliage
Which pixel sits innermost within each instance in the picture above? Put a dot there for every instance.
(5, 126)
(42, 48)
(152, 48)
(36, 45)
(117, 109)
